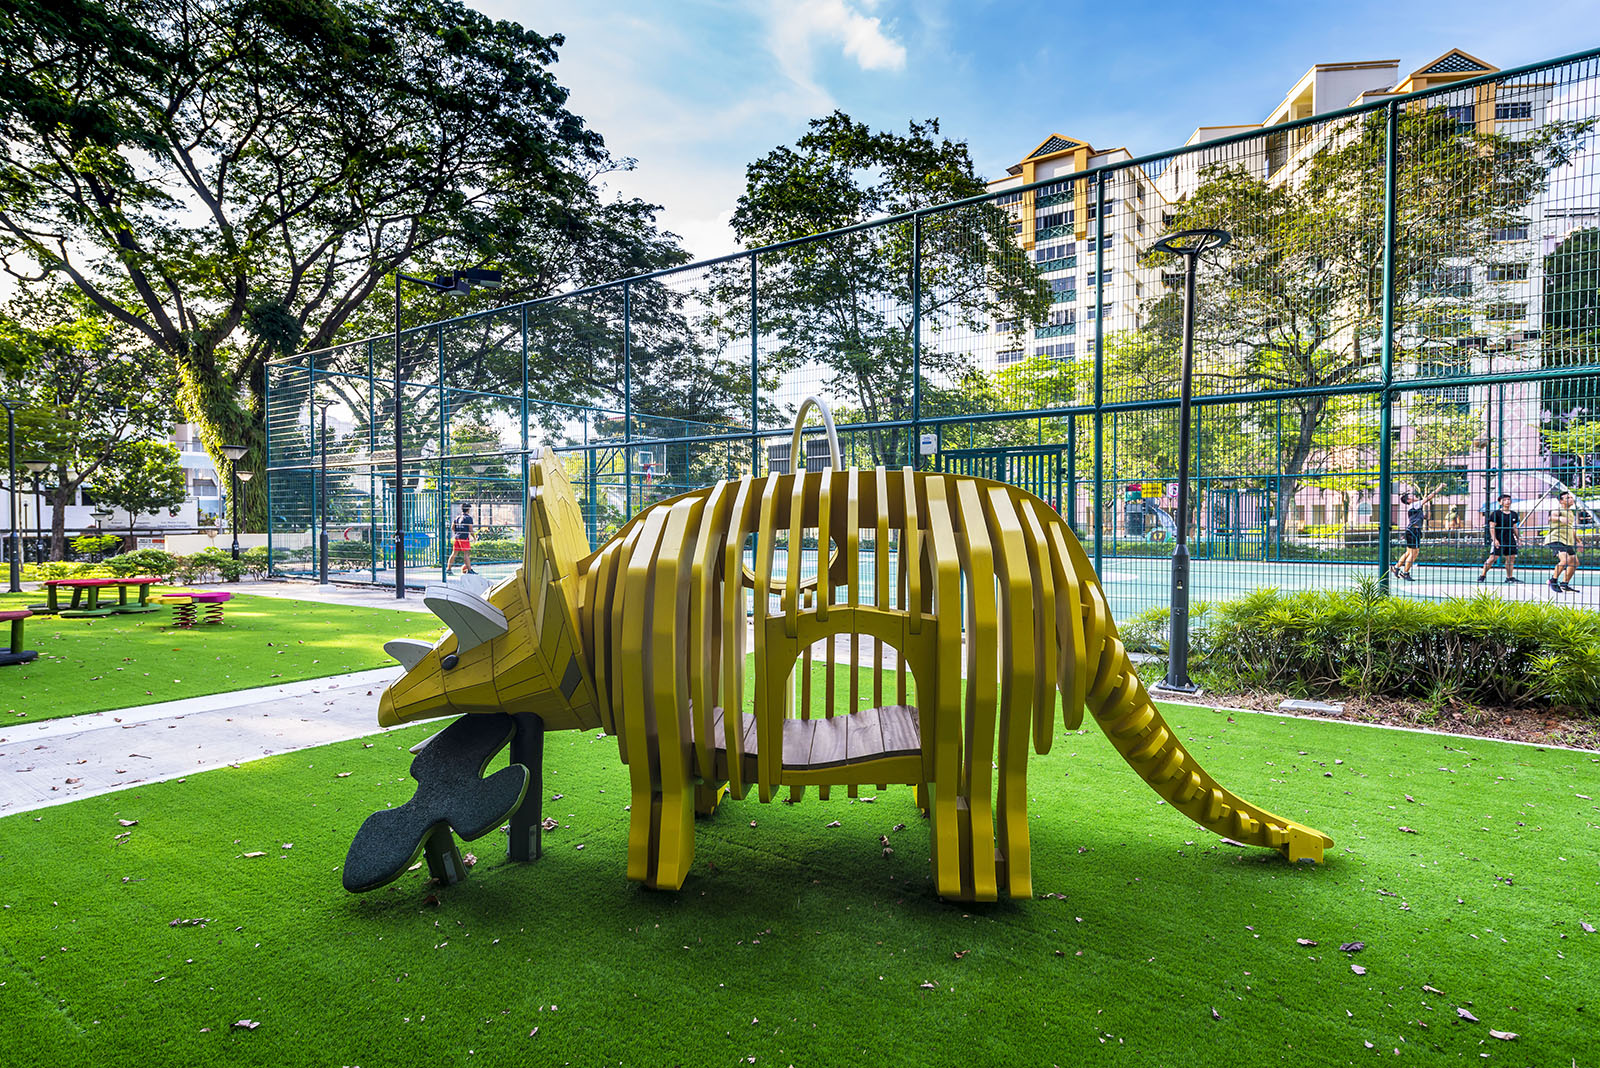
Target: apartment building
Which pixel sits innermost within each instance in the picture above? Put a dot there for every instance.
(1497, 330)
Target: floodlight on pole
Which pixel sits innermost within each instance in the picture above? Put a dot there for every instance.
(458, 283)
(1190, 244)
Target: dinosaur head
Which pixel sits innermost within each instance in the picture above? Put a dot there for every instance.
(515, 649)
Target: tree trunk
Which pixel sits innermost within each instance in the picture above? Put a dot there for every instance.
(211, 401)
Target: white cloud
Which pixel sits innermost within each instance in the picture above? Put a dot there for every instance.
(795, 27)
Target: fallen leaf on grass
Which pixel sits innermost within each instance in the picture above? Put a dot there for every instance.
(128, 823)
(835, 823)
(198, 921)
(549, 823)
(1407, 830)
(898, 827)
(1358, 969)
(1465, 1015)
(930, 986)
(247, 1025)
(1305, 941)
(1504, 1036)
(1352, 947)
(1215, 1015)
(1432, 989)
(256, 854)
(1588, 927)
(962, 953)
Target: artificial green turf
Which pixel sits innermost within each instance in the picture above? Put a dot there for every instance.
(91, 665)
(799, 943)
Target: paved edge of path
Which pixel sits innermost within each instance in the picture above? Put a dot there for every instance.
(74, 757)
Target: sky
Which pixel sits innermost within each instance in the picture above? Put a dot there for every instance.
(693, 90)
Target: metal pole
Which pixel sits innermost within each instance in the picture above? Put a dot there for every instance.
(233, 470)
(755, 388)
(1099, 371)
(399, 459)
(11, 518)
(1178, 661)
(1385, 395)
(915, 448)
(322, 501)
(627, 402)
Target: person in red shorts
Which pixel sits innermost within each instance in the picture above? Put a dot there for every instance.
(461, 532)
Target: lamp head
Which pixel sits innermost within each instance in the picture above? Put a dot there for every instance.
(243, 475)
(234, 452)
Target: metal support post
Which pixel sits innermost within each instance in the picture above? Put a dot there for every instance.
(1386, 395)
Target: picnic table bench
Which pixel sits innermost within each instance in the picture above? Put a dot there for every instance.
(86, 596)
(16, 654)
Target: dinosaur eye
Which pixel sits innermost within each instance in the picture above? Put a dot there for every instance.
(449, 661)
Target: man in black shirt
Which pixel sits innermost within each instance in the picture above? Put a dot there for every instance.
(461, 531)
(1416, 516)
(1501, 530)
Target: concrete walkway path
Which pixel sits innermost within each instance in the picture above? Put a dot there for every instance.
(60, 760)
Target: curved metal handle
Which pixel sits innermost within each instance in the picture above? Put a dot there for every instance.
(836, 456)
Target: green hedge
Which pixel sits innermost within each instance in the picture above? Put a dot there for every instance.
(1482, 650)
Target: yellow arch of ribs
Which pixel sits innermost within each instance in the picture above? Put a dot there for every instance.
(980, 588)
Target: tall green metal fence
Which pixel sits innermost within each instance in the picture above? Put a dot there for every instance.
(1410, 304)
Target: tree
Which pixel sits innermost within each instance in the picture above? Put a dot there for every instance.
(844, 305)
(237, 179)
(88, 388)
(138, 477)
(1298, 298)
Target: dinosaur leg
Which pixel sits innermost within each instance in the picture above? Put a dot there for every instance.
(1123, 709)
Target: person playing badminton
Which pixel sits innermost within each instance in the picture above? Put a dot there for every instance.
(1562, 539)
(1501, 529)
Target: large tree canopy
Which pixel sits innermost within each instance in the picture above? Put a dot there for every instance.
(233, 179)
(845, 303)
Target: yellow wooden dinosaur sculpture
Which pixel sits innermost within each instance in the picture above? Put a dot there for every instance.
(969, 602)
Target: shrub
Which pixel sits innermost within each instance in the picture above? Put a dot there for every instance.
(142, 562)
(257, 562)
(96, 545)
(213, 561)
(1481, 649)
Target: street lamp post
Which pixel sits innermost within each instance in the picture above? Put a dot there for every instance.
(37, 468)
(235, 453)
(458, 282)
(11, 483)
(322, 492)
(1189, 244)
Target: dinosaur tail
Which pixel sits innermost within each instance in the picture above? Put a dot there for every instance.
(1121, 706)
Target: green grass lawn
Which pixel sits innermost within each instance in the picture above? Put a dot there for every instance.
(90, 665)
(799, 943)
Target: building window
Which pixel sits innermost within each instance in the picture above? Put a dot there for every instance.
(1511, 233)
(1063, 316)
(204, 487)
(1063, 289)
(1514, 109)
(1509, 310)
(1508, 272)
(1009, 326)
(1105, 310)
(1055, 352)
(1448, 282)
(1465, 114)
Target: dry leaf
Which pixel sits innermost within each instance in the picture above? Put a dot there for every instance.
(1352, 947)
(1465, 1015)
(198, 921)
(1504, 1036)
(1215, 1015)
(247, 1025)
(1305, 941)
(1407, 830)
(1358, 969)
(1589, 927)
(549, 823)
(1432, 989)
(835, 823)
(128, 823)
(258, 853)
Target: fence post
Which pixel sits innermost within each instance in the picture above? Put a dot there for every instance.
(755, 380)
(627, 401)
(525, 443)
(372, 452)
(266, 457)
(1099, 368)
(915, 445)
(442, 524)
(1385, 394)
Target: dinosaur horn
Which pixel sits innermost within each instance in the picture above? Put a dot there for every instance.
(472, 619)
(409, 651)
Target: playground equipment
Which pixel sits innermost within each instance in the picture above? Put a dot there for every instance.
(980, 590)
